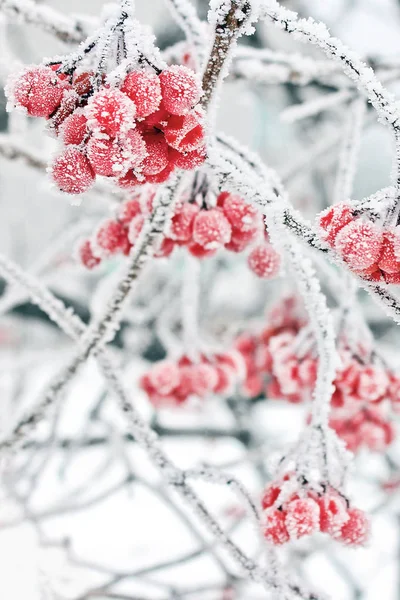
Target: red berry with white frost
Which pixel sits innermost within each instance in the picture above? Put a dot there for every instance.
(72, 172)
(185, 133)
(144, 89)
(360, 244)
(264, 261)
(111, 237)
(74, 128)
(333, 219)
(211, 229)
(157, 154)
(110, 111)
(333, 513)
(180, 89)
(241, 215)
(85, 253)
(302, 517)
(164, 377)
(274, 526)
(38, 89)
(181, 226)
(356, 530)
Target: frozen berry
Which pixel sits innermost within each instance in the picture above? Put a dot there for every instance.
(38, 89)
(144, 88)
(164, 377)
(185, 133)
(74, 128)
(359, 243)
(111, 237)
(128, 211)
(211, 229)
(274, 528)
(180, 89)
(264, 261)
(355, 532)
(157, 154)
(188, 160)
(241, 215)
(333, 219)
(302, 517)
(181, 226)
(72, 172)
(388, 260)
(88, 259)
(110, 111)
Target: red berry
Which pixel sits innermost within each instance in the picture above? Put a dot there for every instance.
(241, 215)
(161, 176)
(144, 88)
(83, 82)
(188, 160)
(157, 154)
(356, 530)
(128, 211)
(61, 76)
(72, 172)
(38, 89)
(180, 89)
(388, 260)
(204, 378)
(166, 248)
(264, 261)
(156, 121)
(164, 377)
(114, 157)
(359, 243)
(88, 259)
(333, 513)
(185, 133)
(333, 219)
(181, 226)
(130, 180)
(111, 237)
(275, 530)
(302, 517)
(74, 128)
(211, 229)
(199, 251)
(270, 495)
(373, 383)
(110, 111)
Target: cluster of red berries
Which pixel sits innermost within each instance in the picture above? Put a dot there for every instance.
(281, 364)
(233, 224)
(286, 316)
(136, 133)
(173, 383)
(370, 251)
(290, 515)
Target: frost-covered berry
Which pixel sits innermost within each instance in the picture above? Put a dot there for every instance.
(185, 133)
(199, 251)
(274, 526)
(166, 248)
(356, 530)
(241, 215)
(373, 383)
(302, 517)
(162, 176)
(38, 89)
(333, 513)
(74, 128)
(359, 243)
(264, 261)
(72, 172)
(211, 229)
(181, 226)
(111, 237)
(144, 88)
(110, 111)
(204, 378)
(241, 239)
(157, 154)
(130, 180)
(388, 261)
(128, 211)
(111, 157)
(180, 89)
(333, 219)
(83, 82)
(165, 377)
(270, 495)
(85, 253)
(188, 160)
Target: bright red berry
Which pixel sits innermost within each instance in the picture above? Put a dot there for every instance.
(112, 157)
(185, 133)
(359, 243)
(88, 259)
(211, 229)
(274, 528)
(264, 261)
(165, 377)
(110, 111)
(270, 495)
(38, 89)
(74, 128)
(181, 226)
(157, 154)
(111, 237)
(144, 88)
(356, 530)
(72, 172)
(243, 216)
(180, 89)
(333, 513)
(302, 517)
(128, 211)
(388, 260)
(188, 160)
(333, 219)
